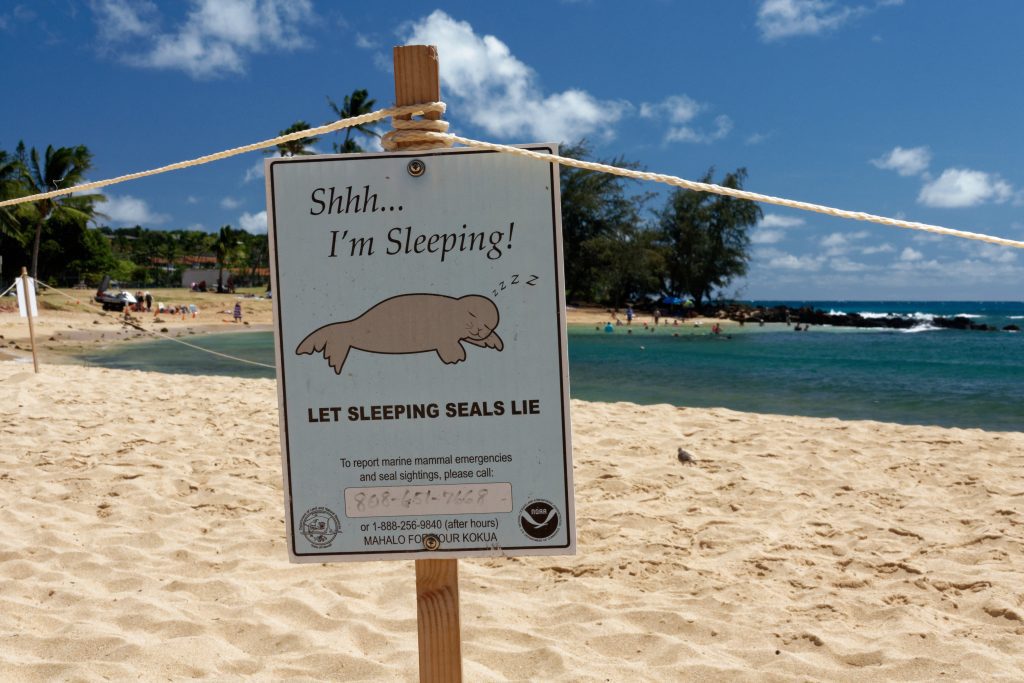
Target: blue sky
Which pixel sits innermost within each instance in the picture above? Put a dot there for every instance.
(906, 108)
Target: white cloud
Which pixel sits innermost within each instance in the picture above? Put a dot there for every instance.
(127, 210)
(779, 19)
(215, 38)
(365, 42)
(774, 220)
(677, 109)
(839, 243)
(255, 223)
(769, 229)
(723, 126)
(961, 187)
(995, 253)
(909, 254)
(784, 18)
(757, 138)
(845, 265)
(191, 200)
(254, 172)
(680, 111)
(836, 239)
(791, 262)
(499, 93)
(761, 236)
(119, 19)
(879, 249)
(906, 162)
(230, 203)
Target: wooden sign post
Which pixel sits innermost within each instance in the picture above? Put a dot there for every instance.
(28, 296)
(417, 80)
(422, 359)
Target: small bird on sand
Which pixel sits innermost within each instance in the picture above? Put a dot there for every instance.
(684, 457)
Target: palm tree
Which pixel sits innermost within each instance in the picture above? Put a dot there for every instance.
(60, 167)
(296, 147)
(227, 241)
(356, 104)
(10, 175)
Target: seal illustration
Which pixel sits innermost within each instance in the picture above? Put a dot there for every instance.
(410, 323)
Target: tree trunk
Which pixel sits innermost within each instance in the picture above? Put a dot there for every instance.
(35, 250)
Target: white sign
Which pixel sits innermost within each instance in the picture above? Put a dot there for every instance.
(20, 288)
(421, 355)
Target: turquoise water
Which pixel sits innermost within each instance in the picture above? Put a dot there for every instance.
(940, 377)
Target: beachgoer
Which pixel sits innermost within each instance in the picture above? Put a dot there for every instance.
(657, 316)
(149, 302)
(629, 315)
(238, 312)
(608, 328)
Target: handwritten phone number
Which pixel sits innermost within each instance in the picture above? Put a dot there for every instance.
(444, 499)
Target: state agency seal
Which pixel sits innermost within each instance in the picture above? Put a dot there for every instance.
(320, 526)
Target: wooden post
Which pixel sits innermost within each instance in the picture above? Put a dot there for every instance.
(28, 312)
(437, 581)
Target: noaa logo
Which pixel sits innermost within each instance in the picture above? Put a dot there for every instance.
(539, 520)
(320, 526)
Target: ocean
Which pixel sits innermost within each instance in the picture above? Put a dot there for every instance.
(922, 375)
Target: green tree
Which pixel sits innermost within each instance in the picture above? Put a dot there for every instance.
(10, 187)
(356, 104)
(227, 242)
(71, 252)
(598, 217)
(706, 237)
(296, 147)
(633, 262)
(58, 168)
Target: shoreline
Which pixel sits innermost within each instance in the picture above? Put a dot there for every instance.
(65, 328)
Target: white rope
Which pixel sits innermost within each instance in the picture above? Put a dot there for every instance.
(136, 326)
(715, 189)
(13, 285)
(410, 110)
(426, 139)
(198, 348)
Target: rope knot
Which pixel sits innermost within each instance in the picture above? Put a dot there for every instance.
(417, 133)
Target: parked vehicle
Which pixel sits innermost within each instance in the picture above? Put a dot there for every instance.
(113, 299)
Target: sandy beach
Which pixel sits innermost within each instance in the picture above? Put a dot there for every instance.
(142, 538)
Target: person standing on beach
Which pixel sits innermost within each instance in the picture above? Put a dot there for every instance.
(238, 312)
(629, 315)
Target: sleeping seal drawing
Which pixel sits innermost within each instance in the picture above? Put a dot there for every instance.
(410, 323)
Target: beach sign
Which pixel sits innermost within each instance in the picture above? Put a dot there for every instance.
(421, 355)
(26, 290)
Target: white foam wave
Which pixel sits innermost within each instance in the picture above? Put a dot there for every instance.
(966, 315)
(920, 328)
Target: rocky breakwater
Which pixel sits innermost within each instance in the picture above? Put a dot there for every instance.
(814, 316)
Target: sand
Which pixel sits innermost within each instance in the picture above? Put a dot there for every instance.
(142, 538)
